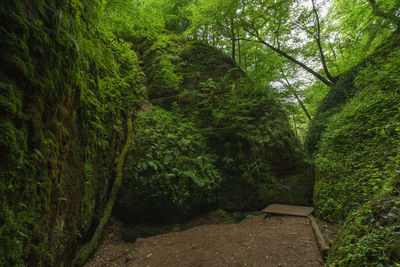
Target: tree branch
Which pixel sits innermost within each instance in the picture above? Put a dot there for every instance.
(333, 51)
(318, 40)
(296, 95)
(306, 30)
(280, 52)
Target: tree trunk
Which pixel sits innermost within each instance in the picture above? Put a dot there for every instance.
(213, 36)
(321, 52)
(233, 47)
(205, 33)
(233, 40)
(234, 51)
(308, 69)
(245, 62)
(302, 105)
(240, 59)
(295, 126)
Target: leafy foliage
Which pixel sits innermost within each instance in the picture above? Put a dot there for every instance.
(133, 20)
(170, 172)
(357, 163)
(359, 141)
(356, 31)
(370, 236)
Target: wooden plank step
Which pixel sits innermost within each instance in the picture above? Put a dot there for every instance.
(289, 210)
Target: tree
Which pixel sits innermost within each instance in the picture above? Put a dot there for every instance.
(133, 20)
(392, 14)
(293, 91)
(174, 13)
(271, 24)
(221, 16)
(355, 30)
(292, 29)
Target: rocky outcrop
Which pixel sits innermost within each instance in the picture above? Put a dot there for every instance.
(214, 140)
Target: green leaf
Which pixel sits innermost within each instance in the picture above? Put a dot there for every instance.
(153, 165)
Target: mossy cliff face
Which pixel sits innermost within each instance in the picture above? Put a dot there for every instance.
(242, 143)
(357, 161)
(64, 84)
(370, 236)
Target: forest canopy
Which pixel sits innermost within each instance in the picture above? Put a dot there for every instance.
(298, 48)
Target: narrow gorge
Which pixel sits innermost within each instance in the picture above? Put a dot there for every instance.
(234, 105)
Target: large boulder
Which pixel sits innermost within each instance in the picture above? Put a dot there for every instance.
(254, 151)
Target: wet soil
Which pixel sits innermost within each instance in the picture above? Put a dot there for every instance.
(258, 241)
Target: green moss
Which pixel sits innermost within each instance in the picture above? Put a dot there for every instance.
(331, 104)
(254, 214)
(354, 160)
(357, 162)
(173, 64)
(84, 254)
(64, 86)
(370, 236)
(223, 214)
(343, 90)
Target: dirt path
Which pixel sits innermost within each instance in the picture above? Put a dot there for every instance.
(259, 241)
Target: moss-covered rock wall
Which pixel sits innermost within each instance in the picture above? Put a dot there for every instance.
(357, 160)
(64, 84)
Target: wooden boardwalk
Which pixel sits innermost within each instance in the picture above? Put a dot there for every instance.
(289, 210)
